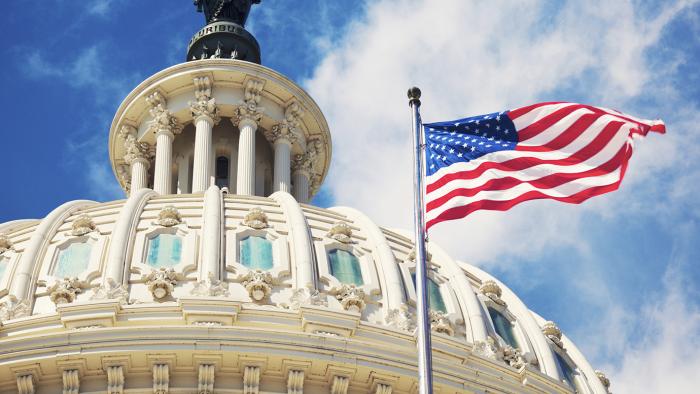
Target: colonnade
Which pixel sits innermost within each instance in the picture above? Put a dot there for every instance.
(291, 172)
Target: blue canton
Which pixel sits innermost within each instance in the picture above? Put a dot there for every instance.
(467, 139)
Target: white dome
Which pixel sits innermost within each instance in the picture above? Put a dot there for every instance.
(254, 293)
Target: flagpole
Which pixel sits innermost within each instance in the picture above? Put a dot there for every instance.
(425, 362)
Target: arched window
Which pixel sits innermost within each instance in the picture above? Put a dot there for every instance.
(73, 260)
(222, 171)
(345, 267)
(256, 253)
(435, 300)
(567, 372)
(503, 326)
(164, 250)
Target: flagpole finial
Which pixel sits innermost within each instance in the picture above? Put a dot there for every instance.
(414, 96)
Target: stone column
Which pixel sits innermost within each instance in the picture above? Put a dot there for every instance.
(301, 186)
(205, 115)
(282, 136)
(183, 174)
(165, 127)
(136, 157)
(248, 116)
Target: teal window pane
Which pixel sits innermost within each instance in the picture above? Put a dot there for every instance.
(345, 267)
(73, 260)
(256, 253)
(566, 371)
(503, 326)
(164, 250)
(437, 303)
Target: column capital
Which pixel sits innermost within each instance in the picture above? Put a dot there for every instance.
(135, 150)
(304, 163)
(250, 111)
(204, 105)
(163, 119)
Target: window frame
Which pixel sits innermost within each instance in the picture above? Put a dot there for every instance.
(188, 258)
(579, 385)
(96, 262)
(368, 268)
(281, 264)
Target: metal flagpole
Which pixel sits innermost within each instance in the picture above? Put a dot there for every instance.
(425, 360)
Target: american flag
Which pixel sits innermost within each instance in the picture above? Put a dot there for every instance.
(563, 151)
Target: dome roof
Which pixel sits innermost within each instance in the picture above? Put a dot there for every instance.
(193, 281)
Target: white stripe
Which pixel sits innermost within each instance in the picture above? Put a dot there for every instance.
(565, 190)
(559, 127)
(535, 172)
(537, 114)
(505, 155)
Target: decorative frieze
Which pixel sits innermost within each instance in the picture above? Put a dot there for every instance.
(295, 382)
(12, 308)
(492, 290)
(210, 287)
(205, 383)
(161, 379)
(111, 290)
(71, 381)
(258, 284)
(82, 225)
(64, 291)
(552, 331)
(115, 379)
(204, 104)
(401, 318)
(340, 385)
(25, 384)
(440, 323)
(251, 380)
(5, 244)
(351, 298)
(161, 283)
(169, 216)
(340, 232)
(255, 219)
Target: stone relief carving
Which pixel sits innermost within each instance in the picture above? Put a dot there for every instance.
(256, 219)
(163, 119)
(401, 318)
(169, 216)
(251, 110)
(340, 232)
(161, 379)
(251, 380)
(491, 290)
(205, 384)
(305, 162)
(71, 381)
(135, 150)
(64, 291)
(208, 323)
(82, 225)
(552, 331)
(603, 379)
(486, 348)
(204, 104)
(440, 323)
(5, 244)
(115, 379)
(25, 384)
(111, 290)
(305, 297)
(351, 298)
(288, 128)
(161, 283)
(258, 284)
(295, 382)
(513, 357)
(210, 287)
(12, 308)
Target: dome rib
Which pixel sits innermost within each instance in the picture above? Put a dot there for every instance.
(211, 235)
(301, 240)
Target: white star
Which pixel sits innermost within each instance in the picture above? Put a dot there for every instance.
(477, 122)
(459, 154)
(472, 149)
(452, 151)
(498, 117)
(464, 145)
(498, 127)
(481, 143)
(488, 146)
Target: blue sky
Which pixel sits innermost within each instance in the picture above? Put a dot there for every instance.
(619, 273)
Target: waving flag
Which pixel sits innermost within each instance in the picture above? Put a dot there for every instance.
(563, 151)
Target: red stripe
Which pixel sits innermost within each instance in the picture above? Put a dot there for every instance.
(523, 163)
(545, 122)
(547, 182)
(518, 112)
(462, 211)
(566, 137)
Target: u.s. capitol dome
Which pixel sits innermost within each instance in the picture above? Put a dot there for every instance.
(216, 275)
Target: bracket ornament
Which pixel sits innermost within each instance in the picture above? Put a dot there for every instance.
(603, 379)
(210, 287)
(492, 290)
(250, 110)
(287, 129)
(340, 232)
(440, 323)
(295, 382)
(115, 379)
(204, 104)
(135, 150)
(12, 308)
(111, 290)
(205, 384)
(82, 225)
(64, 291)
(513, 357)
(305, 162)
(552, 331)
(256, 219)
(161, 379)
(486, 348)
(251, 380)
(401, 318)
(169, 216)
(258, 284)
(71, 381)
(351, 298)
(25, 384)
(161, 283)
(5, 244)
